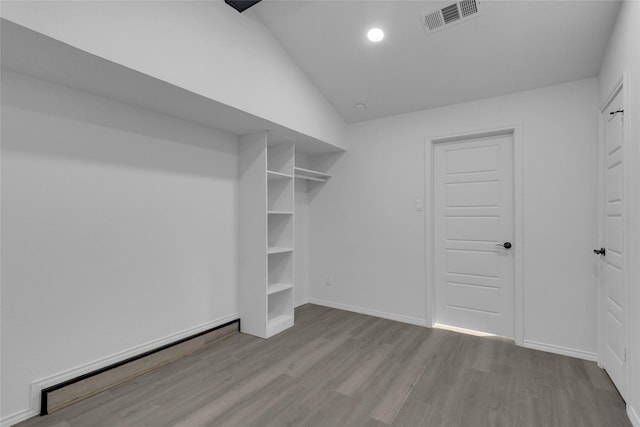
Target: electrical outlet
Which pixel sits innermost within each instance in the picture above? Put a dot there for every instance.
(327, 281)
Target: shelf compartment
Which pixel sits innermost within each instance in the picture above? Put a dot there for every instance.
(278, 287)
(280, 267)
(311, 175)
(278, 323)
(281, 303)
(280, 231)
(280, 156)
(280, 195)
(280, 311)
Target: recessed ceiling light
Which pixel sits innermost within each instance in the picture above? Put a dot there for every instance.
(375, 35)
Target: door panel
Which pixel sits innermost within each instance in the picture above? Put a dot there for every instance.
(615, 279)
(614, 330)
(614, 232)
(614, 301)
(473, 212)
(474, 263)
(614, 182)
(480, 159)
(480, 229)
(460, 194)
(474, 297)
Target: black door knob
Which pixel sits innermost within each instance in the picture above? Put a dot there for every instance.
(505, 245)
(601, 251)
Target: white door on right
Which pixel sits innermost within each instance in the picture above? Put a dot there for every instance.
(614, 304)
(473, 223)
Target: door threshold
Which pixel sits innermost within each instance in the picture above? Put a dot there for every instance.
(465, 331)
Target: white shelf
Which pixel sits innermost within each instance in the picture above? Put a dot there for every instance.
(278, 250)
(278, 317)
(278, 287)
(311, 175)
(280, 213)
(278, 175)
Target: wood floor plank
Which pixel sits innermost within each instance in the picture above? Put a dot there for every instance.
(364, 370)
(408, 374)
(332, 368)
(258, 409)
(335, 368)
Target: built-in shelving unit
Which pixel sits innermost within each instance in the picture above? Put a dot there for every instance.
(266, 234)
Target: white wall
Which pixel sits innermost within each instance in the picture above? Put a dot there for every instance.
(202, 46)
(119, 228)
(366, 235)
(623, 54)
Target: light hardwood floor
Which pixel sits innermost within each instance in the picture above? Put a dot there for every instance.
(336, 368)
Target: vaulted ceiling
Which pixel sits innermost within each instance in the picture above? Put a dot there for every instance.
(512, 46)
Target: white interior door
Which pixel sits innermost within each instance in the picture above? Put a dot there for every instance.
(614, 302)
(473, 215)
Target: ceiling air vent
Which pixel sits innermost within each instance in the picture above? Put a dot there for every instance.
(461, 11)
(468, 7)
(450, 13)
(433, 21)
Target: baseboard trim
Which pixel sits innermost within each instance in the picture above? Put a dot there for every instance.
(550, 348)
(18, 417)
(558, 349)
(79, 371)
(633, 416)
(301, 302)
(370, 312)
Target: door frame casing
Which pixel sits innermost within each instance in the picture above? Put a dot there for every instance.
(620, 87)
(518, 220)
